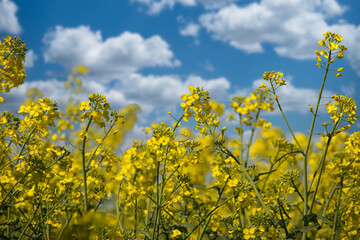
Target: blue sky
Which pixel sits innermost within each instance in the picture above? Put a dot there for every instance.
(149, 51)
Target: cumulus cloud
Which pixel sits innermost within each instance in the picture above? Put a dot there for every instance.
(151, 92)
(30, 58)
(349, 90)
(292, 27)
(212, 4)
(164, 92)
(156, 6)
(8, 20)
(51, 88)
(191, 29)
(351, 40)
(121, 54)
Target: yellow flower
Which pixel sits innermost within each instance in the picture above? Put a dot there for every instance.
(82, 134)
(81, 69)
(249, 233)
(54, 137)
(84, 106)
(223, 130)
(262, 85)
(31, 192)
(175, 233)
(310, 108)
(322, 42)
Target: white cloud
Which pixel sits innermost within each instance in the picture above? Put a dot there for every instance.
(156, 6)
(122, 54)
(351, 40)
(293, 27)
(8, 20)
(349, 90)
(191, 29)
(164, 92)
(212, 4)
(30, 58)
(51, 88)
(155, 94)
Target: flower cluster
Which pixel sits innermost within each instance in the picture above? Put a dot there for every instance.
(275, 79)
(12, 58)
(331, 43)
(198, 104)
(98, 108)
(250, 107)
(343, 109)
(40, 115)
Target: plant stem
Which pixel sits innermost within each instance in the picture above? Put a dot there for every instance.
(208, 215)
(250, 140)
(216, 204)
(84, 167)
(322, 163)
(25, 143)
(243, 169)
(305, 162)
(29, 222)
(337, 213)
(288, 126)
(157, 202)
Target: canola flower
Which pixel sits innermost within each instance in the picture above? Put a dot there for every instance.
(64, 177)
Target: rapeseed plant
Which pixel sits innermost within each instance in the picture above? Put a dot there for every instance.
(63, 176)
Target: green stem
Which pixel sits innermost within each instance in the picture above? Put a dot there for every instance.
(282, 222)
(8, 220)
(241, 138)
(12, 188)
(337, 213)
(271, 168)
(118, 222)
(67, 223)
(322, 161)
(248, 177)
(25, 143)
(29, 222)
(84, 167)
(178, 122)
(157, 205)
(216, 204)
(288, 126)
(322, 167)
(97, 147)
(305, 162)
(251, 138)
(208, 215)
(328, 200)
(136, 217)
